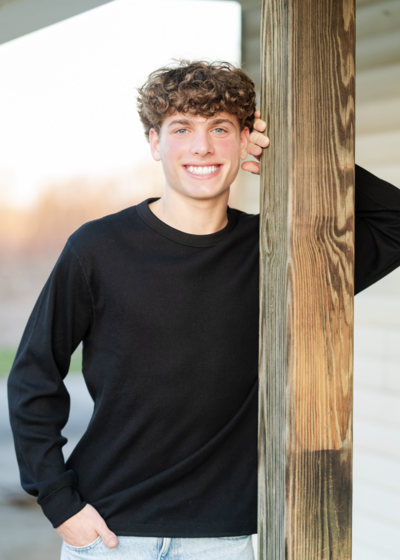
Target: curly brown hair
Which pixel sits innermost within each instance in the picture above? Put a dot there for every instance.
(198, 88)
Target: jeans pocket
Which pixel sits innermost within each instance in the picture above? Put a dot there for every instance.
(85, 547)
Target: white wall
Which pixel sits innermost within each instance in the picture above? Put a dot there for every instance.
(377, 310)
(377, 421)
(378, 88)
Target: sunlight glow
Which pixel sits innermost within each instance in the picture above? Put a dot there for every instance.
(67, 103)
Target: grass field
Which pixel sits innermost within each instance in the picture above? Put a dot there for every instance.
(6, 360)
(7, 357)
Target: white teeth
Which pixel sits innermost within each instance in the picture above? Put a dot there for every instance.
(202, 170)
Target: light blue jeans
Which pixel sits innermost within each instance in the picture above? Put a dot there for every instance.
(154, 548)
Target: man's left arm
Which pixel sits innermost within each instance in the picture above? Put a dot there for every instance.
(377, 229)
(377, 217)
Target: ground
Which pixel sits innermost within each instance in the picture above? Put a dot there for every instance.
(26, 534)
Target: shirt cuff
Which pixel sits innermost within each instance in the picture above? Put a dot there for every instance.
(62, 504)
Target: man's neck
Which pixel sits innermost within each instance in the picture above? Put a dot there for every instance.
(190, 215)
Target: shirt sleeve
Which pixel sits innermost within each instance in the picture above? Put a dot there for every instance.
(377, 229)
(39, 402)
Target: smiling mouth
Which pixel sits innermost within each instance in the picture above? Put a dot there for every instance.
(202, 170)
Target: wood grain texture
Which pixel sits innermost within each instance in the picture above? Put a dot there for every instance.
(306, 280)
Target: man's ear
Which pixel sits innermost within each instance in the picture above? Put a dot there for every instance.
(244, 142)
(154, 141)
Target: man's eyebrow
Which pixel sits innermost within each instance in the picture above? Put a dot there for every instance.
(179, 121)
(221, 120)
(187, 122)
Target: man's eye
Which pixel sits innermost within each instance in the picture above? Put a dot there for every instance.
(181, 130)
(220, 129)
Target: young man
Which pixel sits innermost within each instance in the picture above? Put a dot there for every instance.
(164, 296)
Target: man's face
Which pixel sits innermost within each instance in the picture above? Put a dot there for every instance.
(200, 156)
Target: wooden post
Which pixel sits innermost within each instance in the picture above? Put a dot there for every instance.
(306, 280)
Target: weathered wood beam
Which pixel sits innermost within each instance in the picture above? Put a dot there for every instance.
(306, 280)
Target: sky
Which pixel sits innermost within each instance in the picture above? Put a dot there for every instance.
(67, 99)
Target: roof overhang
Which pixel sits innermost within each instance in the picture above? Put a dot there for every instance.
(20, 17)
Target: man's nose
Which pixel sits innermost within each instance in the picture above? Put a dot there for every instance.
(201, 144)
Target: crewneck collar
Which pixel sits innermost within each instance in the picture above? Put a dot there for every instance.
(180, 236)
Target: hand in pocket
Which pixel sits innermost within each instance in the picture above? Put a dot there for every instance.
(84, 527)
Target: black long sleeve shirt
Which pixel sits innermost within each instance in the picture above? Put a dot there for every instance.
(169, 324)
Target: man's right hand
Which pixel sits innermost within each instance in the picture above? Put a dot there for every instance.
(84, 527)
